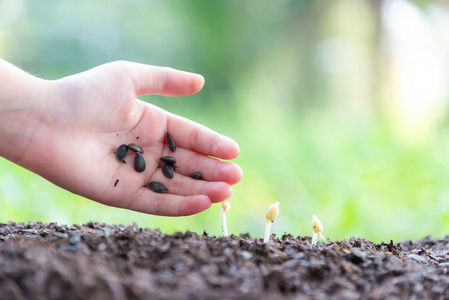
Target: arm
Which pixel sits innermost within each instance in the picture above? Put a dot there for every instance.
(67, 131)
(21, 103)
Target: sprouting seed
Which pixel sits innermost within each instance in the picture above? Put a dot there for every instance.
(121, 152)
(135, 148)
(317, 229)
(271, 215)
(225, 207)
(272, 212)
(171, 142)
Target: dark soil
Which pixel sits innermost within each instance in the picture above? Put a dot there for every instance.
(98, 261)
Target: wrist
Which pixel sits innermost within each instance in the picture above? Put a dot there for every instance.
(22, 99)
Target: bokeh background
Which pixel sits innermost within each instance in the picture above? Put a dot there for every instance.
(340, 107)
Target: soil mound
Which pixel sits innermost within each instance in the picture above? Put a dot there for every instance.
(99, 261)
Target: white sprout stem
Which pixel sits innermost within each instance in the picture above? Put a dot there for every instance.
(224, 226)
(314, 238)
(267, 232)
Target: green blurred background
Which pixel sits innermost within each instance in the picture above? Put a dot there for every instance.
(339, 107)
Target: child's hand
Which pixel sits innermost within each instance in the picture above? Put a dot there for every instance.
(70, 138)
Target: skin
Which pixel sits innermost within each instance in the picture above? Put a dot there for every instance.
(67, 131)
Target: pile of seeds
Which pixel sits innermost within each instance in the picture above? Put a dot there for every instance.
(167, 169)
(139, 163)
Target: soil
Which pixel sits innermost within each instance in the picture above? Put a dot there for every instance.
(99, 261)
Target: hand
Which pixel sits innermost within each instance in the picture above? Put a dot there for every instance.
(72, 135)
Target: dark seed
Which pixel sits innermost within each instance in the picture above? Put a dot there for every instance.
(115, 184)
(196, 175)
(169, 160)
(139, 163)
(171, 142)
(121, 152)
(168, 171)
(135, 148)
(157, 187)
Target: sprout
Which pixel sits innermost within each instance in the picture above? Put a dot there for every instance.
(272, 213)
(317, 229)
(225, 207)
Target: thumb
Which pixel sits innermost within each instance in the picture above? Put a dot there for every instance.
(163, 81)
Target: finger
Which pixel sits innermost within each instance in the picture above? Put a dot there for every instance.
(217, 191)
(188, 162)
(190, 135)
(164, 81)
(168, 204)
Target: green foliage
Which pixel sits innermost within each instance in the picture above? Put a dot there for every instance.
(318, 142)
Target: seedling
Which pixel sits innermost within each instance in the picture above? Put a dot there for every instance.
(317, 229)
(225, 207)
(272, 213)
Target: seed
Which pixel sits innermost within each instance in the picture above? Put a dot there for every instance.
(169, 160)
(196, 175)
(168, 171)
(121, 152)
(135, 148)
(115, 184)
(157, 187)
(171, 142)
(139, 163)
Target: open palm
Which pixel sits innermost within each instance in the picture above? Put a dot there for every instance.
(86, 117)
